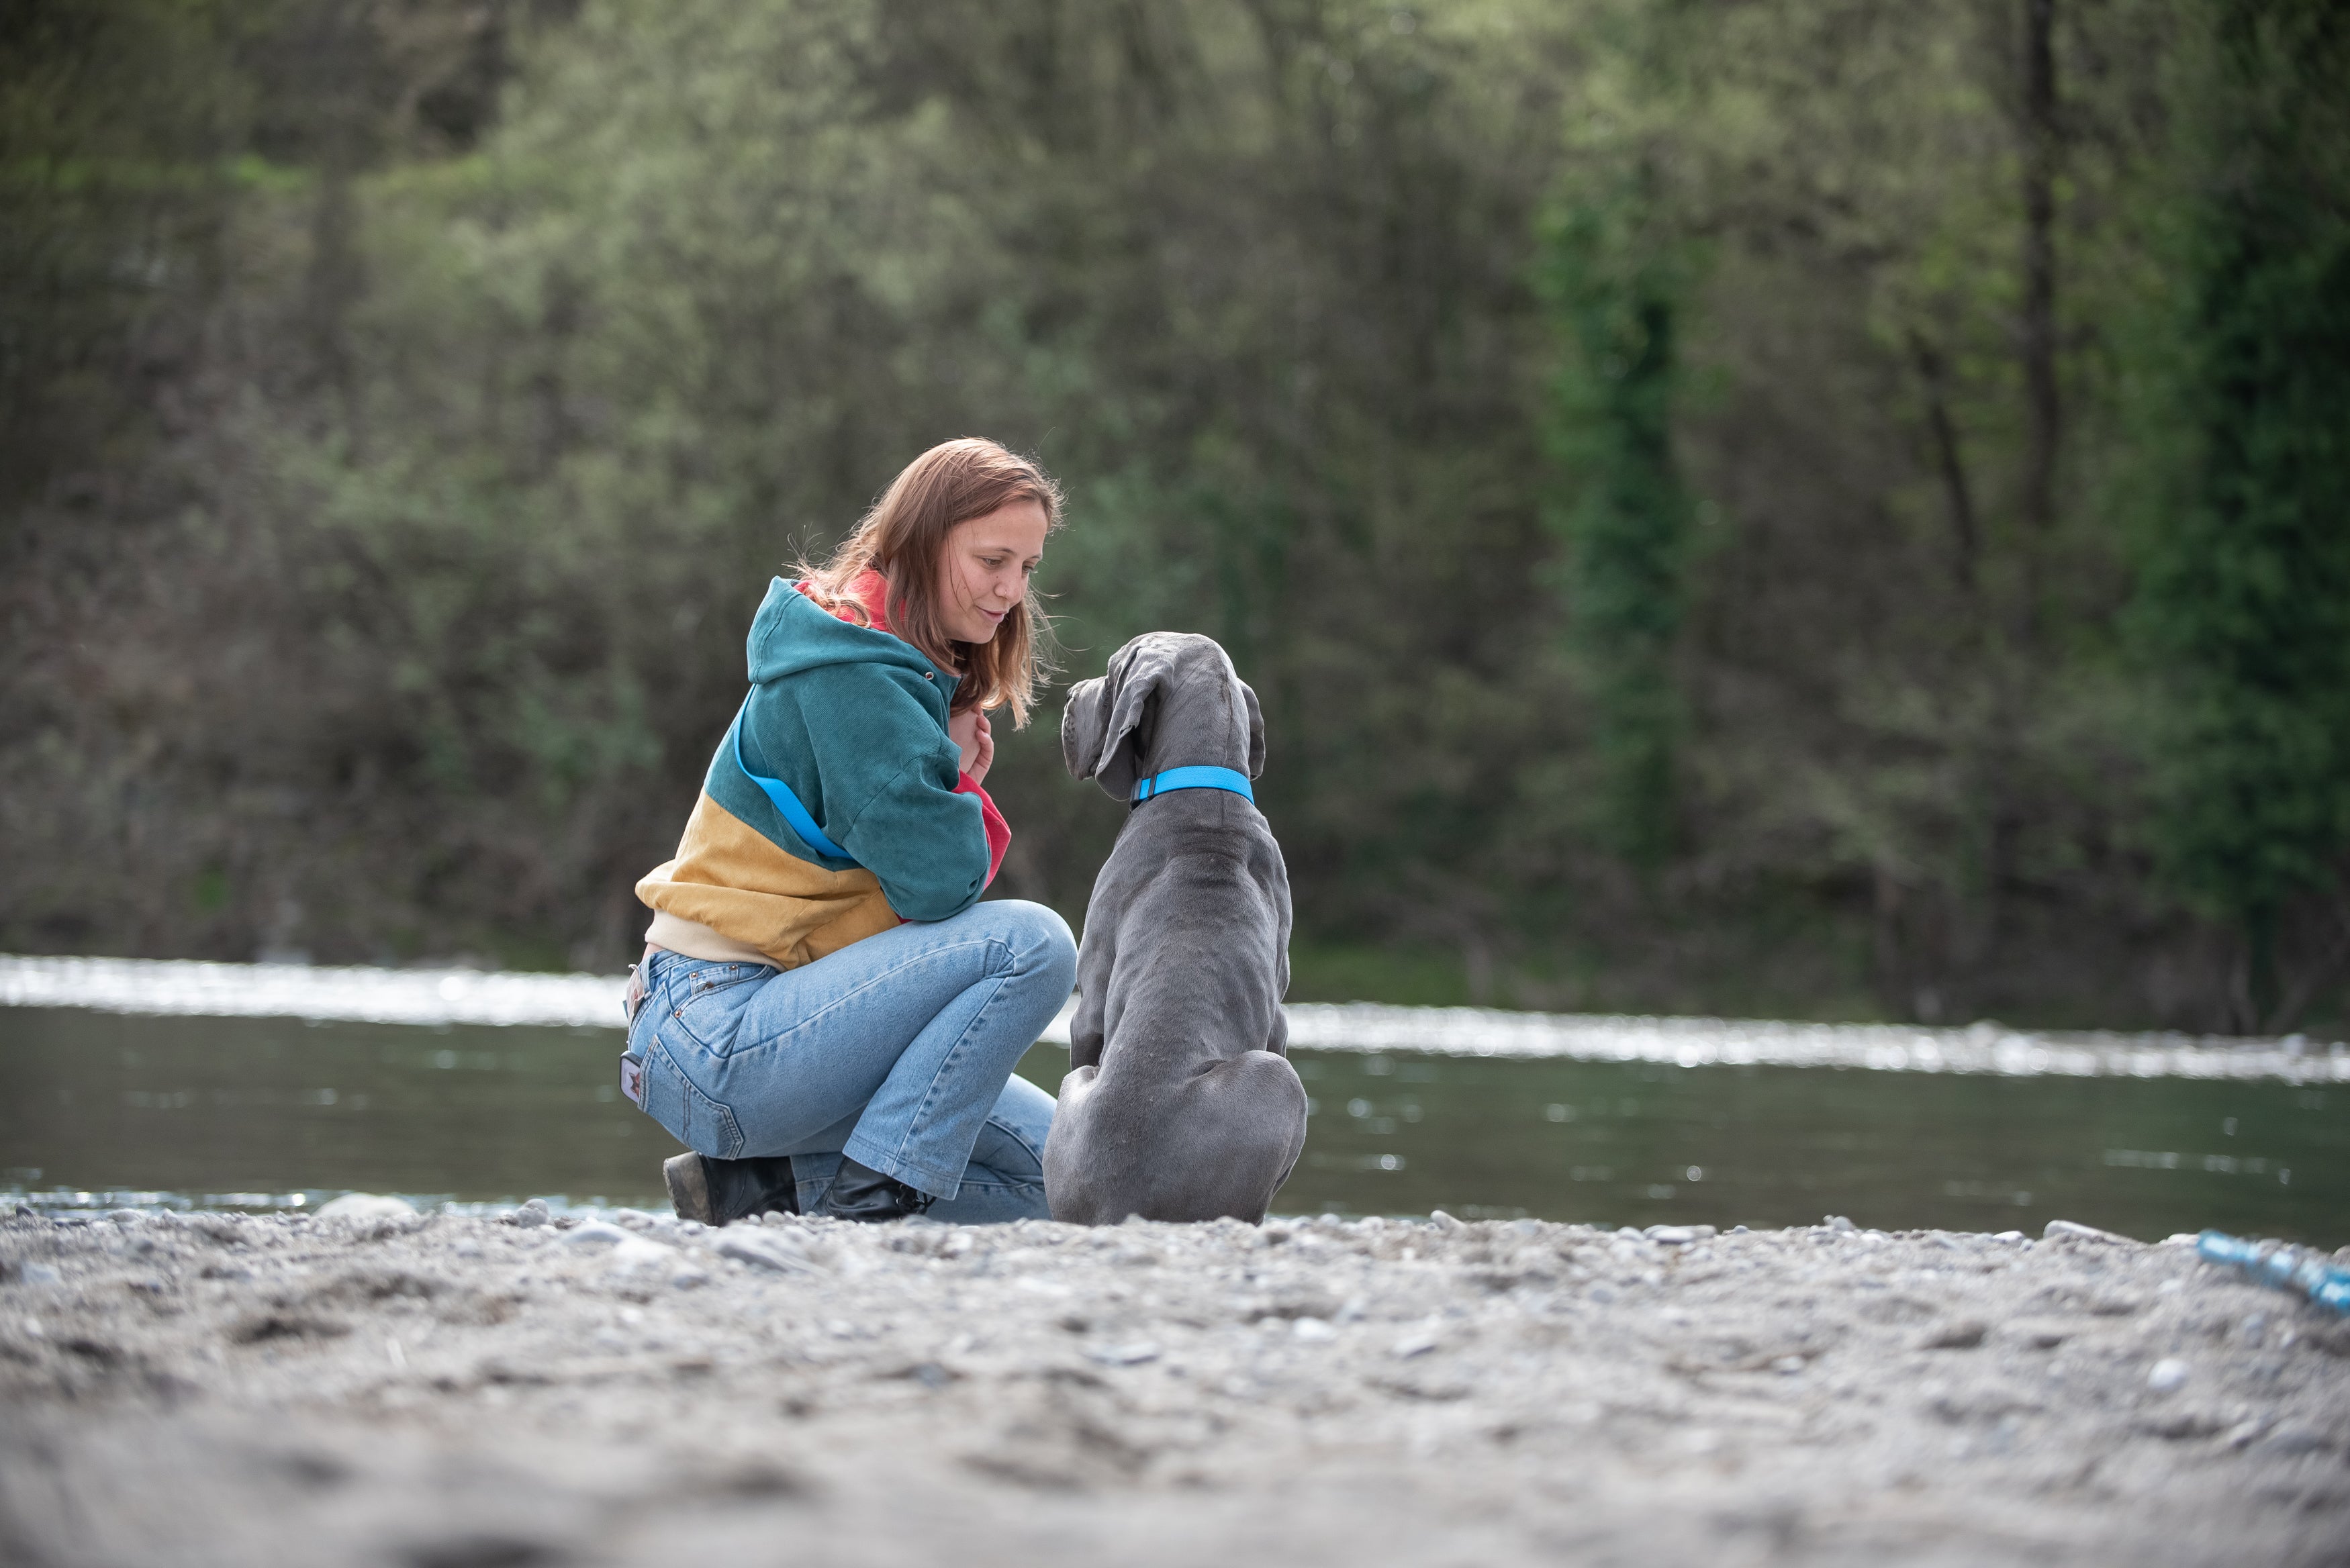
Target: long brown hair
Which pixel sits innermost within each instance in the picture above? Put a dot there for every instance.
(904, 539)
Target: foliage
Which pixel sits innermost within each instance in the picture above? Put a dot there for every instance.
(2246, 581)
(1626, 523)
(1599, 431)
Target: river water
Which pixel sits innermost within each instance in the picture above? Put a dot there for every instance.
(1617, 1121)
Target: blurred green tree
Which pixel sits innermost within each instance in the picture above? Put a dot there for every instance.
(1616, 289)
(2246, 585)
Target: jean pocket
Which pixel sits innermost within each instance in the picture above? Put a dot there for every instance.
(707, 1000)
(691, 1116)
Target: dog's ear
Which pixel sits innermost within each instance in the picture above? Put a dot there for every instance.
(1101, 729)
(1106, 727)
(1085, 726)
(1256, 731)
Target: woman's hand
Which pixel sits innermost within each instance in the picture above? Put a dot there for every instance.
(970, 731)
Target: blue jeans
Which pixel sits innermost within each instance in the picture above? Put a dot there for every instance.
(895, 1051)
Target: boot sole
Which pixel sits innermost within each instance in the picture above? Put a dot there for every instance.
(689, 1189)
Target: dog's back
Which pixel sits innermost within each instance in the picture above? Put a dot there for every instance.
(1180, 1103)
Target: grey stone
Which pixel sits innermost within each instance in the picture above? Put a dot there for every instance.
(2294, 1441)
(593, 1234)
(777, 1252)
(366, 1206)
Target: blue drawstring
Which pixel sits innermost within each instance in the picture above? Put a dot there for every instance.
(1195, 778)
(777, 791)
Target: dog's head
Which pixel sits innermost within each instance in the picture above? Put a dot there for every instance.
(1169, 700)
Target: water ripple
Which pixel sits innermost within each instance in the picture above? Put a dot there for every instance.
(475, 997)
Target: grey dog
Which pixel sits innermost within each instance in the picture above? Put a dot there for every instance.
(1180, 1103)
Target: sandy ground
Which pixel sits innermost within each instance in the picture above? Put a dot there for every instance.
(443, 1392)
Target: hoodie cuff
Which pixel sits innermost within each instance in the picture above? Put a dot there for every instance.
(999, 831)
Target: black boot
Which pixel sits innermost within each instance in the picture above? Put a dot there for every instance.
(861, 1192)
(716, 1191)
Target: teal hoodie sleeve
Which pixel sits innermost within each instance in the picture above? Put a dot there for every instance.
(885, 774)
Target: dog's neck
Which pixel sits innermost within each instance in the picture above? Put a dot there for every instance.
(1197, 776)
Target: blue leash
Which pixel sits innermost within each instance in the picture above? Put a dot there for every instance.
(1230, 779)
(777, 791)
(2303, 1270)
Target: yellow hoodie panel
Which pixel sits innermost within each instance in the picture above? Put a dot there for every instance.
(734, 879)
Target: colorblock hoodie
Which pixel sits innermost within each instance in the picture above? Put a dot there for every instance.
(854, 721)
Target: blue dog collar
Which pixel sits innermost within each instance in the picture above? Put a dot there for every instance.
(1230, 779)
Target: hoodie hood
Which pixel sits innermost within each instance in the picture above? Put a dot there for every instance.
(793, 633)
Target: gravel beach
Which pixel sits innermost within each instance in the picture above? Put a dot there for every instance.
(433, 1391)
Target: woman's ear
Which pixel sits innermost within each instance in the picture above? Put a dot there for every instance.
(1256, 731)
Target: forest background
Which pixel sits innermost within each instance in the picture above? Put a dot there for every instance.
(1824, 508)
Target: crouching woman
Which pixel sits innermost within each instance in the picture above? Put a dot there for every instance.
(827, 1015)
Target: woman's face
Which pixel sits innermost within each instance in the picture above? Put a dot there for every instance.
(983, 568)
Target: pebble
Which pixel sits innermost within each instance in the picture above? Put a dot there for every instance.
(643, 1252)
(40, 1274)
(1678, 1235)
(596, 1233)
(1839, 1222)
(2245, 1432)
(531, 1214)
(2168, 1373)
(778, 1252)
(2292, 1440)
(366, 1206)
(1126, 1354)
(1312, 1328)
(1413, 1344)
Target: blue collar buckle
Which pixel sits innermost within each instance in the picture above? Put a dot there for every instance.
(1229, 779)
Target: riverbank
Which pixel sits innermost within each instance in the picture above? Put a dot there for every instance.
(455, 1393)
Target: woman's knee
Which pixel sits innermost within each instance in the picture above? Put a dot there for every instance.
(1038, 938)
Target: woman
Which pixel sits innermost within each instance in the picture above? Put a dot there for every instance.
(825, 1014)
